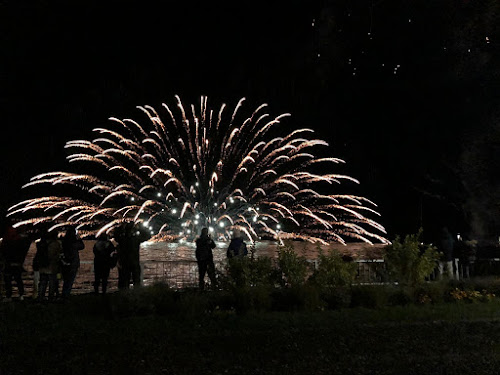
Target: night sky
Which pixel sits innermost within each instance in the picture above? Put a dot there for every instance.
(407, 92)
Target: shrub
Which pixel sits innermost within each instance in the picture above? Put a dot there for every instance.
(292, 268)
(242, 272)
(131, 302)
(333, 271)
(409, 262)
(460, 295)
(400, 297)
(430, 293)
(297, 298)
(250, 282)
(336, 298)
(371, 296)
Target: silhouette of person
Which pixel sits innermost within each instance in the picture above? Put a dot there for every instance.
(446, 245)
(129, 239)
(14, 247)
(205, 258)
(103, 248)
(237, 247)
(71, 245)
(49, 250)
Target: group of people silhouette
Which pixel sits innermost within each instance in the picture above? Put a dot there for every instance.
(57, 259)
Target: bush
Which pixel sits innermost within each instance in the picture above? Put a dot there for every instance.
(410, 262)
(333, 271)
(400, 297)
(459, 295)
(433, 292)
(292, 268)
(245, 272)
(297, 298)
(249, 282)
(336, 298)
(131, 302)
(371, 296)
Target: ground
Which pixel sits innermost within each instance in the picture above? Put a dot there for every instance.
(87, 336)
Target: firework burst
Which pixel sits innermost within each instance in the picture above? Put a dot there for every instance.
(195, 167)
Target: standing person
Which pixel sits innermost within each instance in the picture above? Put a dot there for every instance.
(49, 253)
(446, 243)
(14, 248)
(39, 260)
(103, 248)
(129, 241)
(71, 246)
(205, 258)
(237, 247)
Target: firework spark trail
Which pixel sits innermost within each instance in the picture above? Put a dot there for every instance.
(214, 168)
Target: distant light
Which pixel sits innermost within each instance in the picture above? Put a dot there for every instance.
(189, 231)
(159, 194)
(258, 209)
(152, 232)
(212, 190)
(132, 199)
(181, 233)
(145, 224)
(137, 233)
(197, 216)
(231, 200)
(278, 226)
(215, 204)
(197, 184)
(221, 224)
(249, 208)
(210, 229)
(196, 222)
(254, 219)
(174, 211)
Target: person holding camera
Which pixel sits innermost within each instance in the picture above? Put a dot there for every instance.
(205, 258)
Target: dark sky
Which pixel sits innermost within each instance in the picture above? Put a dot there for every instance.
(401, 89)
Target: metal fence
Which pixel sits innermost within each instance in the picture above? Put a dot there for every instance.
(180, 274)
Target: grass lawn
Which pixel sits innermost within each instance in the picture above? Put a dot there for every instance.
(86, 336)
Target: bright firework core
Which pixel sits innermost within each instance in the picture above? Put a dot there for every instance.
(195, 167)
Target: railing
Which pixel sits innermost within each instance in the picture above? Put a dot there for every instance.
(180, 274)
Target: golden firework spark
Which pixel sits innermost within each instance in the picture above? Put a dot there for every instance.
(202, 168)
